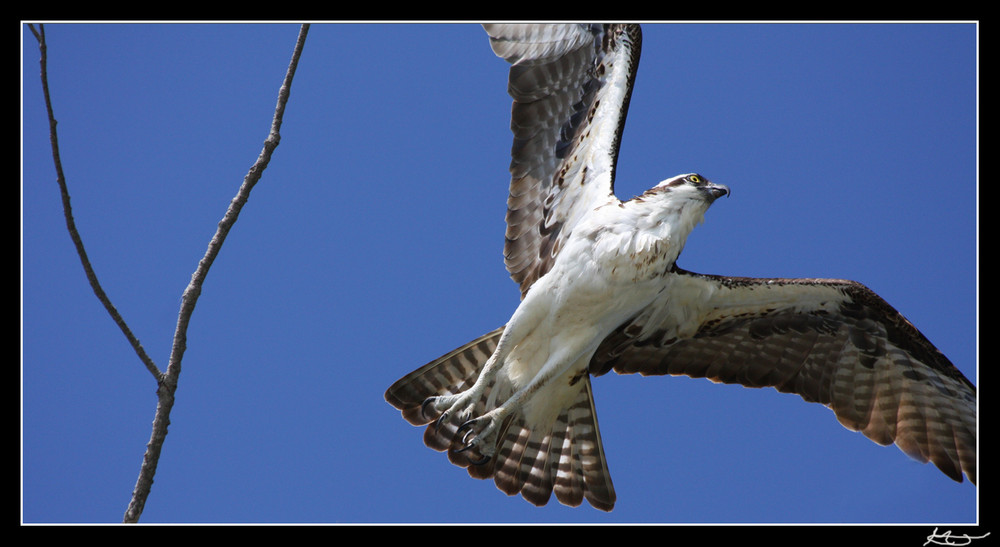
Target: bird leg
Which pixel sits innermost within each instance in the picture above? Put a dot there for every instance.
(480, 432)
(462, 404)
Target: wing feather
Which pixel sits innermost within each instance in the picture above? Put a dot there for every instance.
(571, 85)
(833, 342)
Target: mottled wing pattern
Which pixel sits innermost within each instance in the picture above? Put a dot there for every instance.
(568, 459)
(830, 341)
(571, 85)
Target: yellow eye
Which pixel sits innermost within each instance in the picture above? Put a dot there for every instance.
(695, 179)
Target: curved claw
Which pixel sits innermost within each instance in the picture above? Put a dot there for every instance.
(440, 419)
(423, 406)
(465, 441)
(465, 438)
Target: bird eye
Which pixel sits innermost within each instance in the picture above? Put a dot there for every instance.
(696, 179)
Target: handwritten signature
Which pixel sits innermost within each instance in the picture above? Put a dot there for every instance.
(947, 538)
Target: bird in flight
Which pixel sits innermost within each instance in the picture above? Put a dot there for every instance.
(601, 291)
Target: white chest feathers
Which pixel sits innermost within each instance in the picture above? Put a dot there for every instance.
(634, 241)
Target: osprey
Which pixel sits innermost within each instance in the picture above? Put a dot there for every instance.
(601, 291)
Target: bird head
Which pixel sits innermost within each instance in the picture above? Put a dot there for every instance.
(691, 186)
(680, 202)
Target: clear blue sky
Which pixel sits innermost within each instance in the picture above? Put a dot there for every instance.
(374, 242)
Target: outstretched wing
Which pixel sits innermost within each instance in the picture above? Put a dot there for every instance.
(571, 86)
(830, 341)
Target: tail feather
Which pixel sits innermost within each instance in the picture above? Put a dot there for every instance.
(586, 435)
(566, 458)
(451, 373)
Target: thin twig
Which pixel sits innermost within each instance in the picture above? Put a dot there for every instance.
(168, 383)
(68, 213)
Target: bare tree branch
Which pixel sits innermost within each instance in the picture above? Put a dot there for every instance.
(68, 213)
(167, 383)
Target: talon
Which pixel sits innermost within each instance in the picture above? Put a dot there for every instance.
(468, 445)
(465, 438)
(442, 418)
(423, 406)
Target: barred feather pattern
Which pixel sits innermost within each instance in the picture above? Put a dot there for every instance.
(832, 342)
(571, 85)
(567, 458)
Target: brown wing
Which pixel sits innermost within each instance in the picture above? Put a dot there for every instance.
(571, 86)
(833, 342)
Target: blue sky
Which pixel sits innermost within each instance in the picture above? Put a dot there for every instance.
(373, 244)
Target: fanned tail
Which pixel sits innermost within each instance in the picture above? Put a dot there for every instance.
(566, 457)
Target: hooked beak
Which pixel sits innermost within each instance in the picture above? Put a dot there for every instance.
(715, 191)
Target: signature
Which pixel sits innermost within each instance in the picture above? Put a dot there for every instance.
(947, 538)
